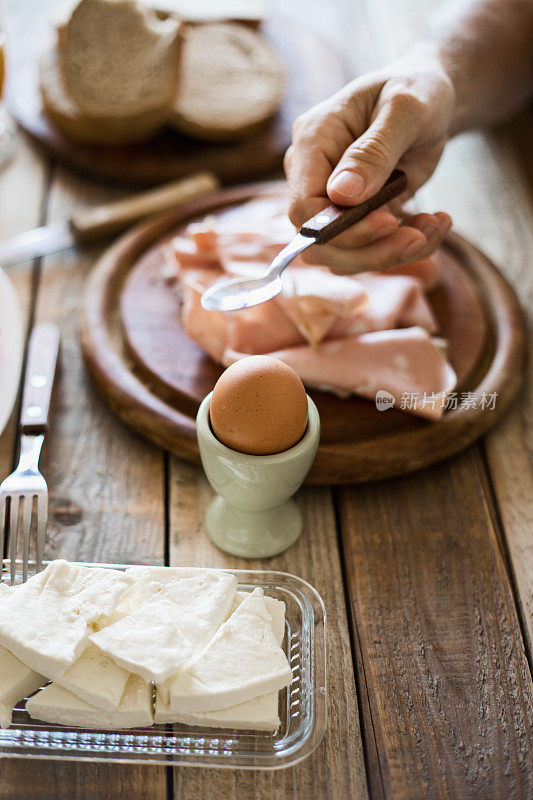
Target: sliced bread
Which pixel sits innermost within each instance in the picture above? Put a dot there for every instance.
(80, 127)
(231, 82)
(119, 59)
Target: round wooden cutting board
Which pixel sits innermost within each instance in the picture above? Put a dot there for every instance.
(313, 70)
(154, 377)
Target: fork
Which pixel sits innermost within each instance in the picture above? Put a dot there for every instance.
(26, 485)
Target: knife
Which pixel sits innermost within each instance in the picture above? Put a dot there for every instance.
(237, 293)
(103, 221)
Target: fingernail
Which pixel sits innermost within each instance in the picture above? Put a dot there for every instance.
(412, 250)
(382, 232)
(348, 183)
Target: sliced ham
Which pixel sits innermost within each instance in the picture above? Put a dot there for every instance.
(187, 256)
(262, 216)
(245, 243)
(314, 299)
(394, 301)
(206, 328)
(345, 334)
(404, 363)
(251, 331)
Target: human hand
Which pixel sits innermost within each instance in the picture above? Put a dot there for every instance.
(345, 148)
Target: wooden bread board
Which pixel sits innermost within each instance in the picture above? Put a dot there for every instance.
(313, 73)
(154, 377)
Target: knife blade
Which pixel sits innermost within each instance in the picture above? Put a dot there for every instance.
(103, 221)
(34, 244)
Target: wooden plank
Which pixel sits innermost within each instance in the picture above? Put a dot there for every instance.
(107, 497)
(493, 209)
(51, 780)
(479, 182)
(336, 769)
(485, 181)
(450, 697)
(106, 484)
(500, 188)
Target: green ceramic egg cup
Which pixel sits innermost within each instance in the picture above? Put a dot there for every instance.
(254, 515)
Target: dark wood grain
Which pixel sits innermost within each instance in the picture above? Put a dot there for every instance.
(159, 393)
(449, 711)
(57, 780)
(314, 72)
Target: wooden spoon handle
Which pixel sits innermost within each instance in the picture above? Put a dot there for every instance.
(105, 220)
(333, 220)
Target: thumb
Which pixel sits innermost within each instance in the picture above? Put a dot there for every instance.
(367, 163)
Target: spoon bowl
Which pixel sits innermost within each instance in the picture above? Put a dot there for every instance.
(231, 295)
(239, 293)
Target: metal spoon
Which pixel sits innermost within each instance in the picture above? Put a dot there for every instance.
(237, 293)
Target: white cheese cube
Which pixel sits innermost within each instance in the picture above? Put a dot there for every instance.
(176, 620)
(182, 585)
(45, 621)
(55, 705)
(242, 661)
(16, 681)
(96, 679)
(258, 714)
(120, 612)
(276, 609)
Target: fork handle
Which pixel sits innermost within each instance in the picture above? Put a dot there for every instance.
(333, 220)
(41, 365)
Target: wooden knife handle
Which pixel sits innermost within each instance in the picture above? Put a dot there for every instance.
(333, 220)
(43, 352)
(101, 221)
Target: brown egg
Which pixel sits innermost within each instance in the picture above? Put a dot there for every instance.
(259, 406)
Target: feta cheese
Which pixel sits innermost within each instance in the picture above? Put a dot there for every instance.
(45, 621)
(95, 678)
(276, 609)
(179, 614)
(243, 660)
(55, 705)
(182, 585)
(16, 681)
(260, 713)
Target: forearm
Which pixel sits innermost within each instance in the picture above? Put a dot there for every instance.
(486, 49)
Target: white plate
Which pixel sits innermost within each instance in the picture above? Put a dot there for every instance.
(11, 347)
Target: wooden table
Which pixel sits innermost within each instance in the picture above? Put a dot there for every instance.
(427, 579)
